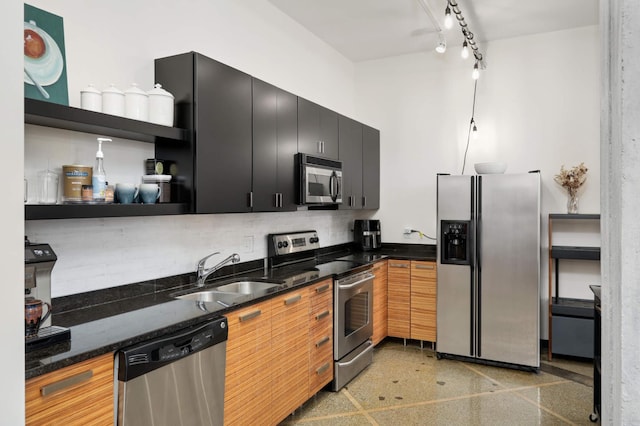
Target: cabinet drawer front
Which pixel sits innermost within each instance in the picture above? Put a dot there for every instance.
(76, 395)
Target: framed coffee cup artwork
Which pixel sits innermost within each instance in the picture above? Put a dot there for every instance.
(45, 65)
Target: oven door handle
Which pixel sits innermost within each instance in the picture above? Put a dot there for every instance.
(360, 355)
(357, 283)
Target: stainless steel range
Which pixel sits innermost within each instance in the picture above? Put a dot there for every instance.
(352, 301)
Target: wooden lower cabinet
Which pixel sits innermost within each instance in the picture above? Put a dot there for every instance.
(289, 353)
(276, 355)
(80, 394)
(247, 395)
(423, 300)
(320, 336)
(399, 298)
(380, 304)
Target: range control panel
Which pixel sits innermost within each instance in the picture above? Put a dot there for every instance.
(293, 242)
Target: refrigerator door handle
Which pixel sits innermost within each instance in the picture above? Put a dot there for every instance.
(479, 270)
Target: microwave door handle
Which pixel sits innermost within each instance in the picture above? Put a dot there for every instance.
(333, 183)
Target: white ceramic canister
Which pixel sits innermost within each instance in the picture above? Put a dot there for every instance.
(113, 101)
(136, 103)
(160, 106)
(91, 99)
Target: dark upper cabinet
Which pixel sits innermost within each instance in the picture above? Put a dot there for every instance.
(275, 143)
(370, 168)
(214, 101)
(350, 150)
(317, 130)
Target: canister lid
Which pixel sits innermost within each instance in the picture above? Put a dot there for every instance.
(90, 89)
(113, 89)
(135, 90)
(159, 91)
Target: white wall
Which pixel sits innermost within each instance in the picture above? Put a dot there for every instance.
(537, 109)
(116, 42)
(12, 223)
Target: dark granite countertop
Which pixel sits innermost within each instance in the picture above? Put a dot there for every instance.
(104, 321)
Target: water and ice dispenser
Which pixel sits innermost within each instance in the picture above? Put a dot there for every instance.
(455, 242)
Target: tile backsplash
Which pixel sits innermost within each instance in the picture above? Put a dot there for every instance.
(95, 254)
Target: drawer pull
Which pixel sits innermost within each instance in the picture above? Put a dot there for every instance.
(425, 266)
(322, 315)
(322, 369)
(398, 265)
(65, 383)
(322, 289)
(250, 315)
(293, 299)
(322, 341)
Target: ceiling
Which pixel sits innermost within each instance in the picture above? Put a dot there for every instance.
(372, 29)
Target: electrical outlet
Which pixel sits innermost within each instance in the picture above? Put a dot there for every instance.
(247, 244)
(407, 230)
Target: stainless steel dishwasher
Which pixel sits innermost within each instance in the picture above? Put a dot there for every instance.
(176, 379)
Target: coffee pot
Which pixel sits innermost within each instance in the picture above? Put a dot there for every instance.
(367, 235)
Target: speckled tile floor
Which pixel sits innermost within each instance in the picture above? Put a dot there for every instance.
(409, 386)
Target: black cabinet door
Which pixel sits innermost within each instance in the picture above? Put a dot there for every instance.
(350, 152)
(213, 101)
(223, 137)
(274, 146)
(317, 130)
(370, 168)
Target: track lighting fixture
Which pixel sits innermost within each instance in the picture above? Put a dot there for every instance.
(448, 19)
(465, 50)
(474, 129)
(442, 44)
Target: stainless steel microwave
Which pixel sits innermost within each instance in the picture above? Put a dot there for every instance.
(319, 180)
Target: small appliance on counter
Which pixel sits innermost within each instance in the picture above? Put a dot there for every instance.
(366, 234)
(39, 260)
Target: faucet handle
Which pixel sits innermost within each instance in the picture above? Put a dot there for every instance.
(202, 261)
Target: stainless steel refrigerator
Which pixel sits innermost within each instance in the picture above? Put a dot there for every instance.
(488, 294)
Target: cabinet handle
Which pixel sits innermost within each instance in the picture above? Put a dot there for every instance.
(293, 299)
(350, 201)
(322, 369)
(323, 314)
(280, 199)
(275, 199)
(398, 265)
(250, 315)
(364, 201)
(319, 147)
(322, 289)
(322, 341)
(419, 266)
(250, 199)
(65, 383)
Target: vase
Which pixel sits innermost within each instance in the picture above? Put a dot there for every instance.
(572, 203)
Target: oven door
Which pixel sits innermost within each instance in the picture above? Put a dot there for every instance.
(353, 312)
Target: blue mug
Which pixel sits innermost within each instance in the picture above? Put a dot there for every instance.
(149, 193)
(125, 193)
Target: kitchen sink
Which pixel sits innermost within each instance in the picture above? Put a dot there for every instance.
(230, 293)
(249, 287)
(220, 297)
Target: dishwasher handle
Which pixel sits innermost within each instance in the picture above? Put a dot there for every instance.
(142, 358)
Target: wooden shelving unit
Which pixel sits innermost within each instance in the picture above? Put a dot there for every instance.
(572, 311)
(69, 118)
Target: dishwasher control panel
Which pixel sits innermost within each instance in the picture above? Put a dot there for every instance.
(144, 357)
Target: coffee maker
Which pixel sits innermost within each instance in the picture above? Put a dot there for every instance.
(39, 260)
(367, 234)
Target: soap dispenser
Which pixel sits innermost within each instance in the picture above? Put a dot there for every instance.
(99, 179)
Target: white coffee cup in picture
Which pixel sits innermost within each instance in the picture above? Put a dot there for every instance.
(136, 103)
(149, 193)
(91, 99)
(113, 101)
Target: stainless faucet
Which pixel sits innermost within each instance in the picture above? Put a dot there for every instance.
(203, 273)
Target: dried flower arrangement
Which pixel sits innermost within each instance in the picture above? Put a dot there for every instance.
(572, 180)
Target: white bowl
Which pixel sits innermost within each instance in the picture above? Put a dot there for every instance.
(490, 168)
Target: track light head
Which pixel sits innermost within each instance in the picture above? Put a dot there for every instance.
(442, 44)
(465, 50)
(448, 19)
(476, 71)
